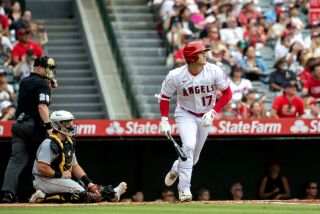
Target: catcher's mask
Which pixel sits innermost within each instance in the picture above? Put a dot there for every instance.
(49, 65)
(63, 122)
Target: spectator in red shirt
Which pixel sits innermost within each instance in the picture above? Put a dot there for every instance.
(288, 105)
(4, 21)
(248, 11)
(25, 44)
(254, 34)
(244, 107)
(306, 73)
(312, 86)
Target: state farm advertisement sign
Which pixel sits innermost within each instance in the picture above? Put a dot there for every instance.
(150, 128)
(5, 129)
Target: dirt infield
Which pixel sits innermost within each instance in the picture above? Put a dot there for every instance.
(309, 202)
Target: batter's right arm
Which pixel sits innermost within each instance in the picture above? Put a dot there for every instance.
(167, 90)
(164, 126)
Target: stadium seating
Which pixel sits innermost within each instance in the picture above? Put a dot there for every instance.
(77, 91)
(142, 49)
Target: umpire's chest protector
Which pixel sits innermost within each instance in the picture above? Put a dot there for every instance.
(65, 151)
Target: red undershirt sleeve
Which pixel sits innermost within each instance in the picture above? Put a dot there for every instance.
(164, 106)
(224, 100)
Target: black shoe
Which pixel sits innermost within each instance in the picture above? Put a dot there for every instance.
(8, 197)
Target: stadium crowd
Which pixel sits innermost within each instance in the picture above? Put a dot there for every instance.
(22, 39)
(238, 32)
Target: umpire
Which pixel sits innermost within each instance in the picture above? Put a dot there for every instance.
(32, 123)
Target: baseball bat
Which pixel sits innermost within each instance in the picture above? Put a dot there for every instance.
(178, 149)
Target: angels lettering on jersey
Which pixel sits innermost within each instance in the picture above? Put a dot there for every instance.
(198, 89)
(195, 93)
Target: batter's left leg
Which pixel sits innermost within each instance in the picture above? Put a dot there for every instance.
(172, 175)
(188, 129)
(201, 139)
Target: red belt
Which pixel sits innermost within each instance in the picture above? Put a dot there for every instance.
(193, 113)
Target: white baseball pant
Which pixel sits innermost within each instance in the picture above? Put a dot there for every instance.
(193, 136)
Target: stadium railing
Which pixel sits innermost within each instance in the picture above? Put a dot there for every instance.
(124, 75)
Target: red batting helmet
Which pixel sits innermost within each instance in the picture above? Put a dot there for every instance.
(191, 49)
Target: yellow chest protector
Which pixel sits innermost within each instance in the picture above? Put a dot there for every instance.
(66, 154)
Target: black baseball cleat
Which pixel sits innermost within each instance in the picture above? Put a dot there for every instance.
(8, 197)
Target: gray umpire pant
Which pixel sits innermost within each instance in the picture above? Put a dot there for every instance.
(23, 140)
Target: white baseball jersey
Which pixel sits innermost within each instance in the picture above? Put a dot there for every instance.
(195, 93)
(238, 89)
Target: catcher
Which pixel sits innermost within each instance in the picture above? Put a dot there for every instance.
(55, 164)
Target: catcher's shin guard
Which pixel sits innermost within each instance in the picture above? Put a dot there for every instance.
(61, 198)
(83, 197)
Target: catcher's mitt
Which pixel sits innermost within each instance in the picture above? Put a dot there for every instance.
(93, 197)
(89, 197)
(108, 194)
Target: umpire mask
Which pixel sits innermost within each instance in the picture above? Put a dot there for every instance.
(50, 69)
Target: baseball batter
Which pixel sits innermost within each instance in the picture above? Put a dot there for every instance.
(196, 84)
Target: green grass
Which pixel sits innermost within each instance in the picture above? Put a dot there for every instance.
(172, 208)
